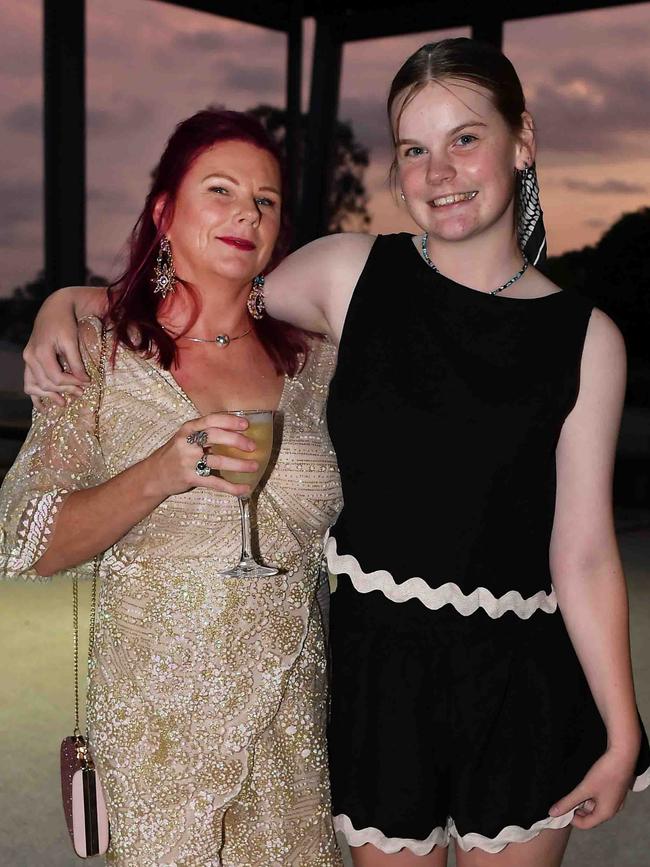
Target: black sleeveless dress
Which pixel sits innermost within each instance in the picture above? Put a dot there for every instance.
(459, 707)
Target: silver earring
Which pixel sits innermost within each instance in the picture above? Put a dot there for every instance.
(255, 303)
(164, 278)
(403, 197)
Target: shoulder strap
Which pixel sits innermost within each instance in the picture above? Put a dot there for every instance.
(96, 561)
(100, 385)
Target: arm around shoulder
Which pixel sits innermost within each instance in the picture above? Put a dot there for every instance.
(312, 287)
(55, 337)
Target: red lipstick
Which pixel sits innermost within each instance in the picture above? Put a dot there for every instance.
(240, 243)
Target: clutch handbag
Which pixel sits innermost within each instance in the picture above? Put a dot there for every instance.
(83, 797)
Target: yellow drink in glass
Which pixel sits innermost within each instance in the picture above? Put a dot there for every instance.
(260, 430)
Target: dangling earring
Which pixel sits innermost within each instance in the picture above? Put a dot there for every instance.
(164, 278)
(255, 303)
(530, 218)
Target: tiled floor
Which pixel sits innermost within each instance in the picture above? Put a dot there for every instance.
(36, 711)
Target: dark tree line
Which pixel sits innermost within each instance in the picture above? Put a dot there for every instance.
(615, 273)
(348, 204)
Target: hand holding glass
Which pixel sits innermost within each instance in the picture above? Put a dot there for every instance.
(260, 430)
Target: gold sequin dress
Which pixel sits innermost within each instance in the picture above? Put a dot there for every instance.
(207, 695)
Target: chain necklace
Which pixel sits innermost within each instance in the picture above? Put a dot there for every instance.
(222, 340)
(496, 291)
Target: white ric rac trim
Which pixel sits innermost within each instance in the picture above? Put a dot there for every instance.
(436, 597)
(642, 782)
(440, 836)
(389, 845)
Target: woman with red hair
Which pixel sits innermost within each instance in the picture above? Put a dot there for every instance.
(207, 694)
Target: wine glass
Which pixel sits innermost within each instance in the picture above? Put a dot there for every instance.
(260, 430)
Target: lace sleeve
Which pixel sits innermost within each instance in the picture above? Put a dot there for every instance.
(61, 454)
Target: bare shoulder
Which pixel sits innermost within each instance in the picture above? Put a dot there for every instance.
(81, 291)
(85, 299)
(603, 369)
(604, 343)
(344, 242)
(311, 288)
(604, 331)
(339, 252)
(347, 254)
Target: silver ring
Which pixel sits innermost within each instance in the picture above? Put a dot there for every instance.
(202, 469)
(199, 438)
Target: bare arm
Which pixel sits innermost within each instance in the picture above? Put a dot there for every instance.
(312, 287)
(586, 566)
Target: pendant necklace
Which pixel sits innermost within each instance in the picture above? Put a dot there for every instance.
(222, 340)
(513, 279)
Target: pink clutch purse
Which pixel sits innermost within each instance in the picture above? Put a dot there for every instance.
(83, 799)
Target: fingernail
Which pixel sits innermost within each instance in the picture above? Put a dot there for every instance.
(243, 423)
(553, 811)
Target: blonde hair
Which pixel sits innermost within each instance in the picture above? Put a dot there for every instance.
(462, 58)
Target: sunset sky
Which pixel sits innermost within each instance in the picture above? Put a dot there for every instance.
(150, 64)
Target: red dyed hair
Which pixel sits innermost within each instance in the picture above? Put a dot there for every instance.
(133, 306)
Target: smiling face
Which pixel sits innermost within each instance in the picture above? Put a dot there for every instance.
(226, 215)
(456, 157)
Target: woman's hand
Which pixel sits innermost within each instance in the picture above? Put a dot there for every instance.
(602, 792)
(172, 467)
(52, 358)
(93, 519)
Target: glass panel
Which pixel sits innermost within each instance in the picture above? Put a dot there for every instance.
(150, 65)
(587, 79)
(21, 174)
(21, 207)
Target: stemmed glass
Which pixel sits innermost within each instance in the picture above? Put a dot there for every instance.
(260, 430)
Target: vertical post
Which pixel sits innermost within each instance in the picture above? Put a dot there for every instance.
(489, 30)
(65, 146)
(321, 129)
(294, 105)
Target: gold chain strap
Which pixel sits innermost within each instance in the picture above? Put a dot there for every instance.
(96, 562)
